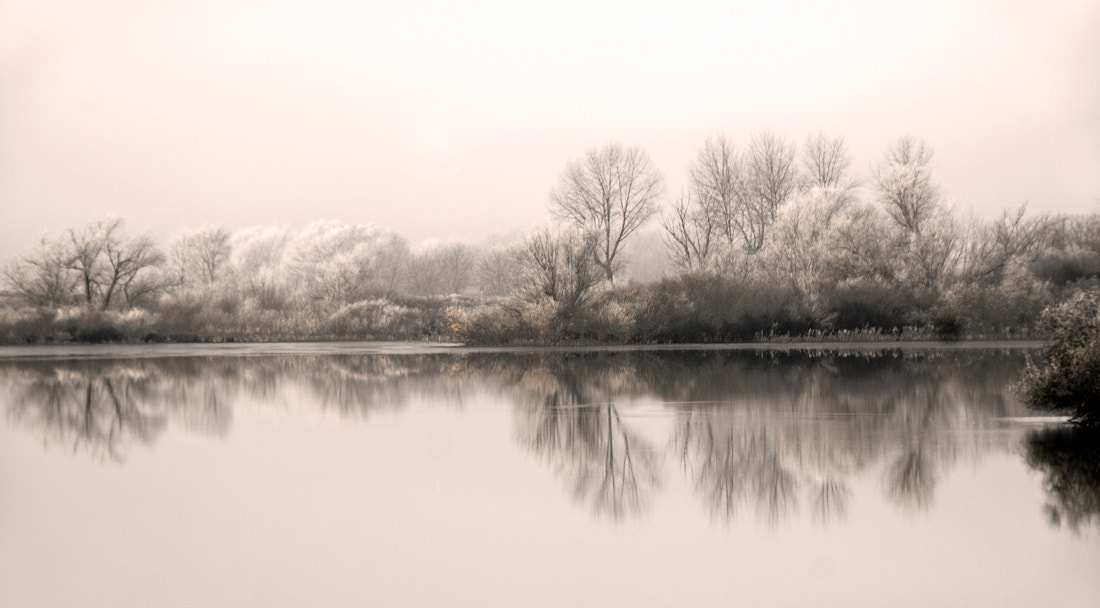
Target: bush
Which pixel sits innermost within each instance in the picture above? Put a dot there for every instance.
(27, 326)
(379, 320)
(179, 314)
(708, 308)
(1068, 379)
(1007, 308)
(863, 304)
(98, 333)
(511, 322)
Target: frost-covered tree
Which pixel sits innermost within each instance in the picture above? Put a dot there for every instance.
(339, 262)
(198, 257)
(440, 269)
(904, 183)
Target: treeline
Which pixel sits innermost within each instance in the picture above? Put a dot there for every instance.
(769, 241)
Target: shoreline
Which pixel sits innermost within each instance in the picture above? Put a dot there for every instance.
(337, 348)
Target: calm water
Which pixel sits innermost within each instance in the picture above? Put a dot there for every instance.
(319, 475)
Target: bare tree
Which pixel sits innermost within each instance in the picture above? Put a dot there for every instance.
(933, 255)
(736, 199)
(442, 269)
(455, 261)
(497, 272)
(718, 184)
(391, 259)
(92, 265)
(127, 267)
(690, 234)
(559, 267)
(106, 262)
(423, 275)
(609, 193)
(826, 164)
(42, 276)
(771, 178)
(86, 249)
(904, 182)
(717, 179)
(994, 246)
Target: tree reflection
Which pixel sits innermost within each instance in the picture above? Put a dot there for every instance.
(90, 410)
(763, 432)
(830, 500)
(1069, 459)
(566, 416)
(100, 407)
(911, 479)
(768, 429)
(733, 464)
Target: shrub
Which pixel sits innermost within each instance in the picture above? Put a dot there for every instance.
(863, 304)
(1068, 378)
(99, 332)
(1002, 309)
(133, 323)
(179, 313)
(515, 321)
(711, 308)
(27, 325)
(379, 320)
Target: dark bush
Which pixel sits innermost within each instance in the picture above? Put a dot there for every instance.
(1062, 267)
(709, 308)
(98, 333)
(27, 326)
(859, 305)
(946, 327)
(1068, 378)
(179, 314)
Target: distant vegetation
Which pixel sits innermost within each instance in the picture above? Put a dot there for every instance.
(770, 242)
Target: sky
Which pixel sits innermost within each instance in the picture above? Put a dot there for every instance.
(454, 120)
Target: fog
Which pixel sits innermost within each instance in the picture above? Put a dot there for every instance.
(444, 120)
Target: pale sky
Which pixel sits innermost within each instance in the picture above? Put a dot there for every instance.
(454, 119)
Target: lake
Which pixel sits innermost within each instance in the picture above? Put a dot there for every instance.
(396, 475)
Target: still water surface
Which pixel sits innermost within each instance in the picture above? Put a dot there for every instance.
(367, 476)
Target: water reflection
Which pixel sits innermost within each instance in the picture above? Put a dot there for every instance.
(85, 409)
(769, 431)
(1069, 459)
(905, 415)
(100, 407)
(733, 463)
(570, 419)
(768, 434)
